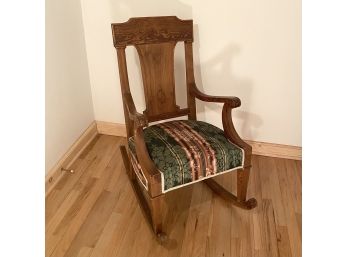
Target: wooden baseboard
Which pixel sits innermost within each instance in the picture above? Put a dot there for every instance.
(70, 156)
(276, 150)
(259, 148)
(113, 129)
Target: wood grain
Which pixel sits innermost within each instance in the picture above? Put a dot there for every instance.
(98, 215)
(157, 67)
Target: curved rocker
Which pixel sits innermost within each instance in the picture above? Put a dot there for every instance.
(228, 196)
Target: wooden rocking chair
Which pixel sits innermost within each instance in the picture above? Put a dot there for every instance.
(172, 154)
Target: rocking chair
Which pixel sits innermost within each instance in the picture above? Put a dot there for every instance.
(173, 154)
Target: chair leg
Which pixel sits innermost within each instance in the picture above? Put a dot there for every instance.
(242, 183)
(156, 206)
(126, 162)
(242, 187)
(153, 208)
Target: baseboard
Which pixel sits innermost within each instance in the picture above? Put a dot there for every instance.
(113, 129)
(276, 150)
(259, 148)
(70, 156)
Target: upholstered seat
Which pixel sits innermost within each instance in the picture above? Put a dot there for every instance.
(187, 151)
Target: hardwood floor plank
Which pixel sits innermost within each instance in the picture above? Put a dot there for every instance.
(294, 184)
(143, 239)
(203, 222)
(277, 203)
(75, 207)
(94, 224)
(52, 224)
(85, 252)
(69, 180)
(284, 248)
(245, 232)
(106, 235)
(257, 232)
(110, 151)
(131, 234)
(124, 210)
(268, 228)
(197, 224)
(220, 238)
(81, 211)
(265, 174)
(52, 240)
(289, 202)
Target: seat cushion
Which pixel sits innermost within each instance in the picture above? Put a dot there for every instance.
(187, 151)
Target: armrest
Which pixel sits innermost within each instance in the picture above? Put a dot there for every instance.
(232, 101)
(140, 121)
(229, 104)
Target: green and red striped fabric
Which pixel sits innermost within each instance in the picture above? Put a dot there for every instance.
(187, 151)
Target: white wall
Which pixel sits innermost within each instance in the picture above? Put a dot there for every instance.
(69, 108)
(250, 49)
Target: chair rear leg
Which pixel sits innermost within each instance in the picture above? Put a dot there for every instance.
(127, 163)
(242, 187)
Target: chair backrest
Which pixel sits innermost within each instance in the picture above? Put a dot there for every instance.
(154, 39)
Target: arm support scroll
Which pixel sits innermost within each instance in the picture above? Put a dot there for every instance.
(139, 120)
(229, 104)
(231, 131)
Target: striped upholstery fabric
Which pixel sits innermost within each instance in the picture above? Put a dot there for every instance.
(186, 152)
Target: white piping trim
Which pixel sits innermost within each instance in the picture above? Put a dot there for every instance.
(243, 156)
(195, 181)
(192, 182)
(146, 186)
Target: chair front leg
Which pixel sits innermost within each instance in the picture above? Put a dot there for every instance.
(242, 183)
(156, 206)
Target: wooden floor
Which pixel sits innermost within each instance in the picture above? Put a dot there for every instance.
(93, 212)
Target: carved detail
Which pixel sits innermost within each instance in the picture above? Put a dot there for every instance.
(150, 36)
(149, 30)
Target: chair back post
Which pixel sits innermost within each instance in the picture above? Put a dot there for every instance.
(190, 80)
(123, 73)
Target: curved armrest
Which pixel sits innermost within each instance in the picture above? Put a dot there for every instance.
(230, 131)
(152, 175)
(232, 101)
